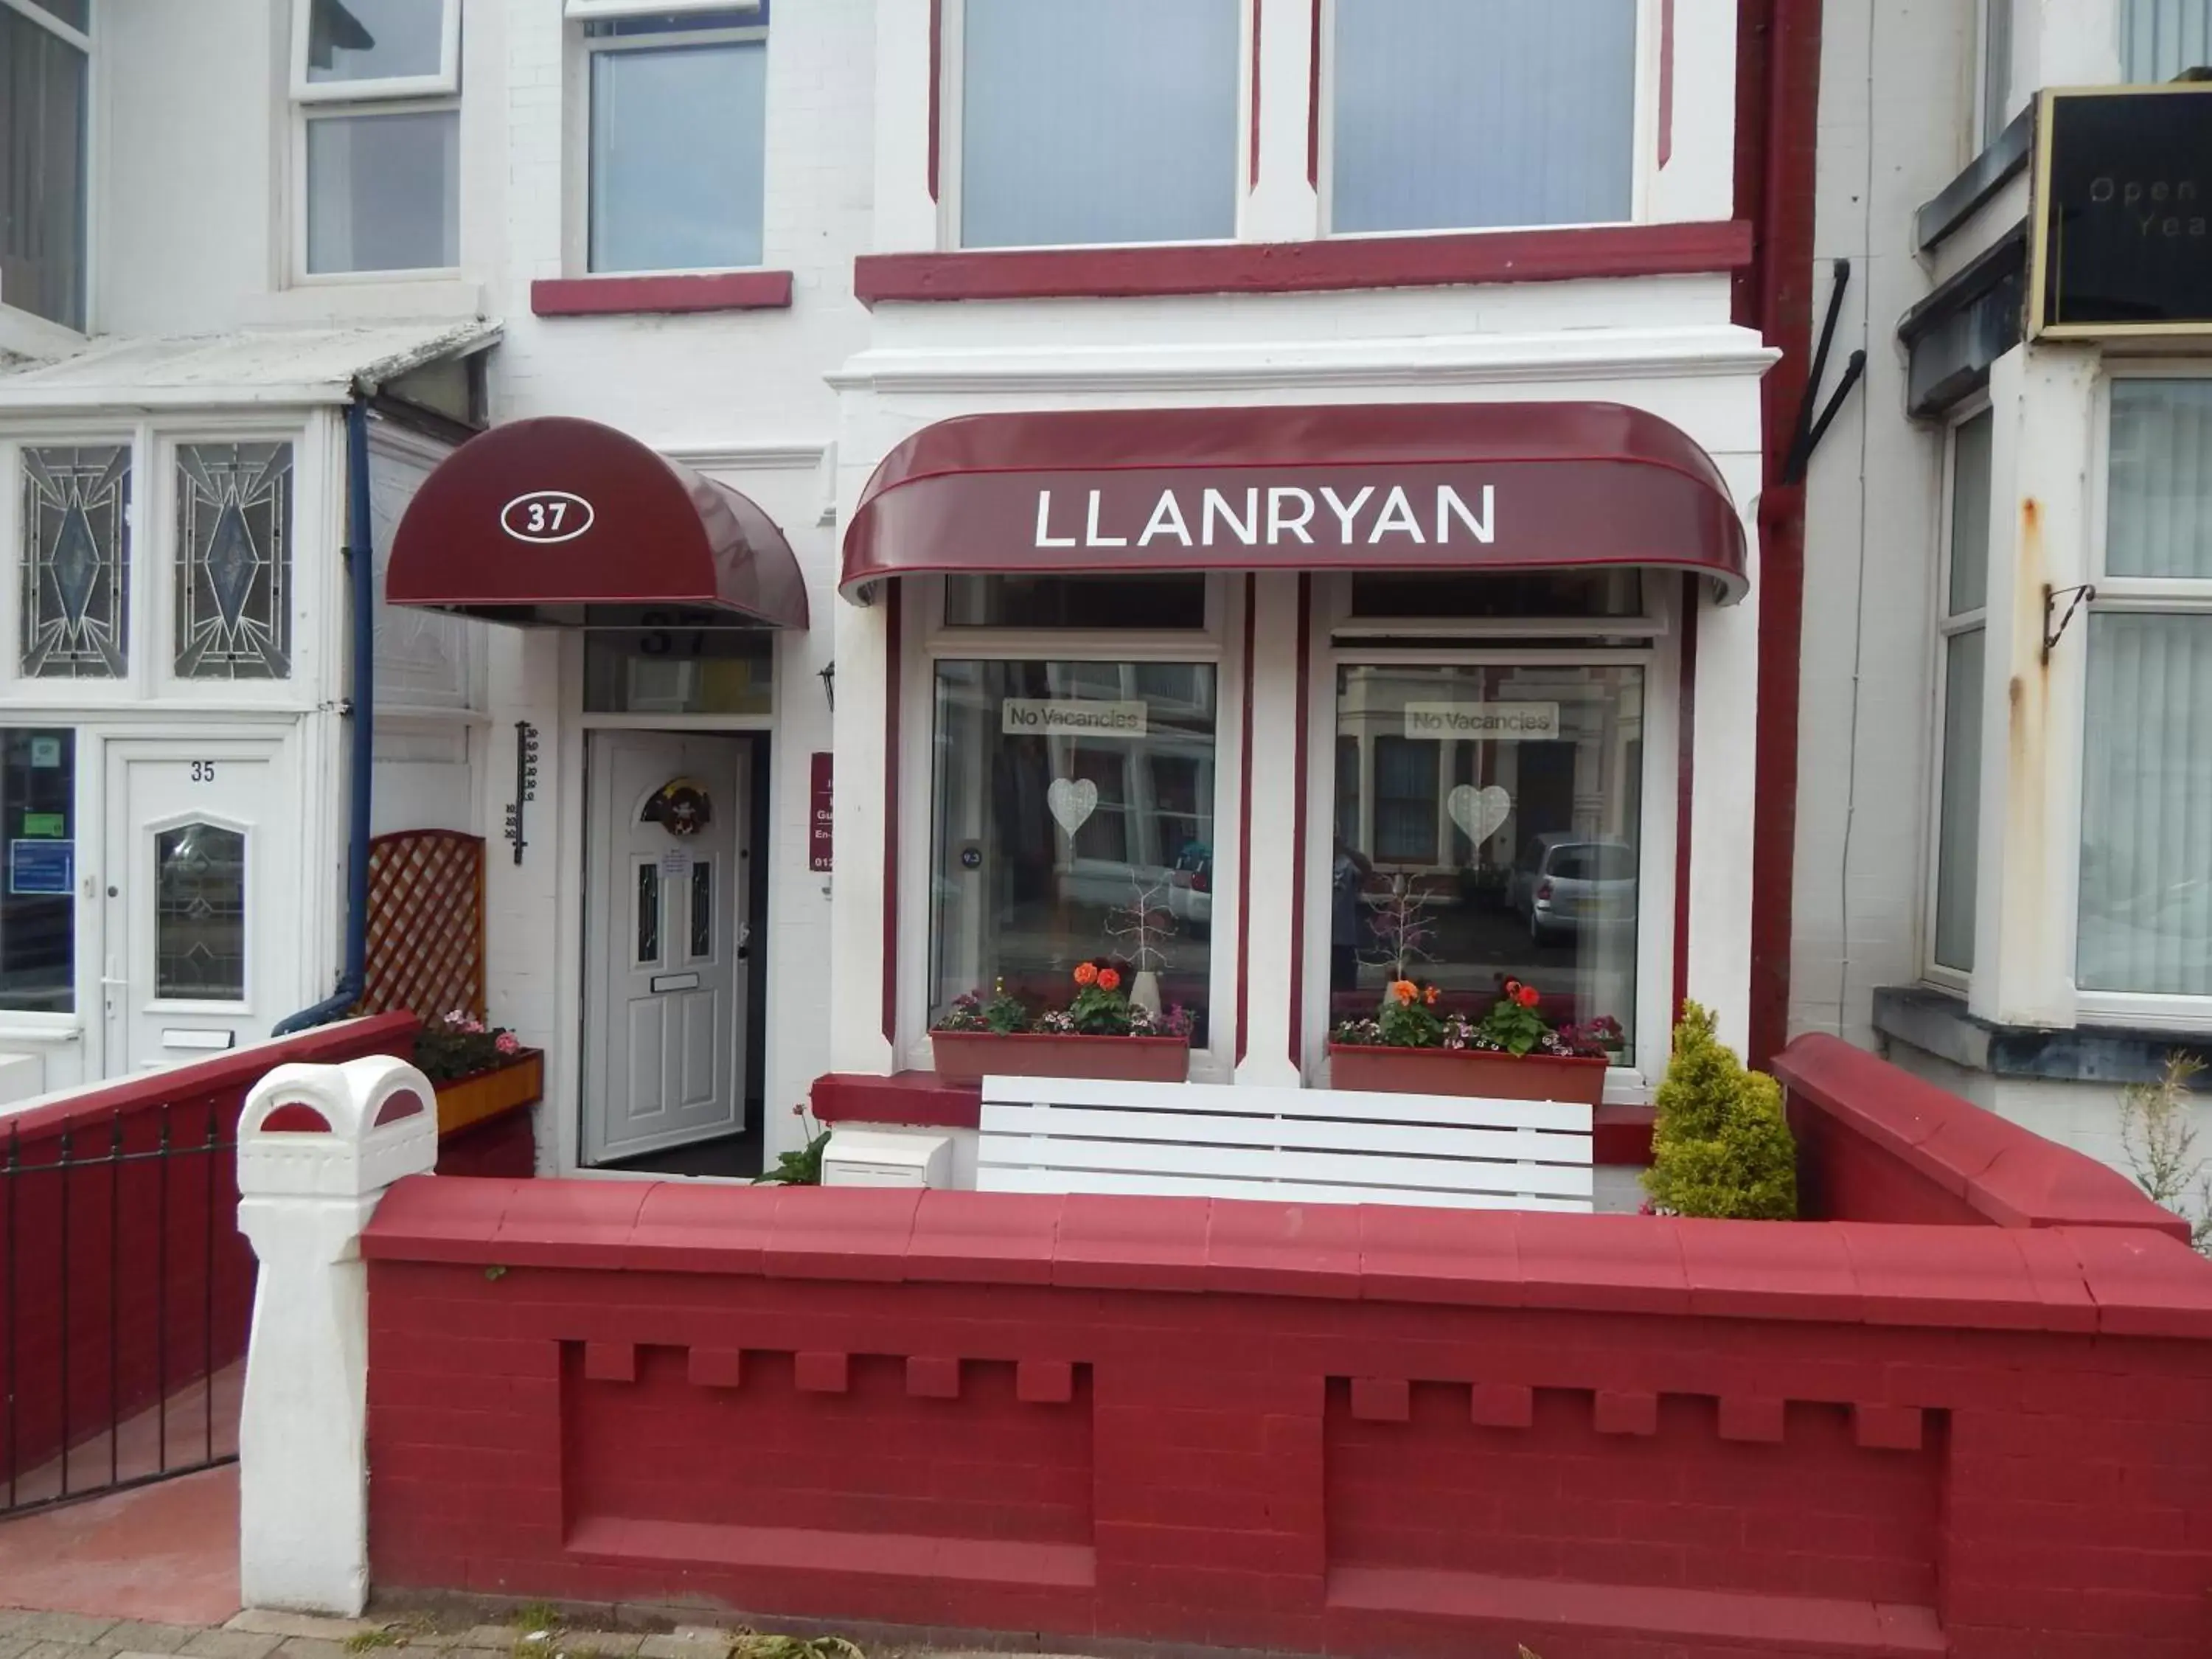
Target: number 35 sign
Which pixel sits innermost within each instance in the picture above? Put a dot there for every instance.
(546, 515)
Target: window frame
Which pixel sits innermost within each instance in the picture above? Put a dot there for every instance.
(1990, 124)
(1946, 628)
(1656, 649)
(2118, 595)
(431, 95)
(576, 138)
(952, 89)
(1644, 128)
(445, 82)
(86, 41)
(928, 640)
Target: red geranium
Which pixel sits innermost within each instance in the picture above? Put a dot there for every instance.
(1109, 980)
(1086, 973)
(1526, 995)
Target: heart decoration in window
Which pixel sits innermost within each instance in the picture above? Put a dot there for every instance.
(1479, 812)
(1071, 801)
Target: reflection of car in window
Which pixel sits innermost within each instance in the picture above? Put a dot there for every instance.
(1562, 883)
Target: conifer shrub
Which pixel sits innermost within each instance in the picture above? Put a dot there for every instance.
(1722, 1146)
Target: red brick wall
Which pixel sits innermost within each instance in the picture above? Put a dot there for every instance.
(120, 1281)
(1353, 1430)
(1876, 1143)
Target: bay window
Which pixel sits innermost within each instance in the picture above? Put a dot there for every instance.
(1473, 114)
(1963, 632)
(2160, 39)
(377, 83)
(44, 77)
(1082, 122)
(678, 133)
(1488, 827)
(1071, 822)
(2144, 921)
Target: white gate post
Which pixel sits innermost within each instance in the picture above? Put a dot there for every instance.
(317, 1148)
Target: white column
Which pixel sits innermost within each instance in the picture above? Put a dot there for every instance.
(857, 941)
(2063, 43)
(318, 1145)
(1723, 789)
(2043, 429)
(1282, 205)
(1276, 880)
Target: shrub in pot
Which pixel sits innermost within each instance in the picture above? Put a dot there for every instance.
(1722, 1146)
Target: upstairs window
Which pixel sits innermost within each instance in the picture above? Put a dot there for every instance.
(1478, 114)
(378, 86)
(45, 63)
(678, 133)
(1082, 122)
(1996, 68)
(2160, 39)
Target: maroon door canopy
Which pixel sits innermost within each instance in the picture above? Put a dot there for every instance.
(562, 522)
(1394, 487)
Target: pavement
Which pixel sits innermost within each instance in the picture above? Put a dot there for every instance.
(266, 1635)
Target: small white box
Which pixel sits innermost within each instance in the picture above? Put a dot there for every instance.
(21, 1078)
(878, 1157)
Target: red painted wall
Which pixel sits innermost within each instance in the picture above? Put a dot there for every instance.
(120, 1282)
(506, 1146)
(1357, 1430)
(1876, 1143)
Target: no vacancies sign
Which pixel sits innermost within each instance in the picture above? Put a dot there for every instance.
(1040, 717)
(1528, 723)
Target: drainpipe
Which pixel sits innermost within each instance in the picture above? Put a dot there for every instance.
(360, 566)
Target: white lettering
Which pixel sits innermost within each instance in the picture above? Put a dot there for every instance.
(1397, 515)
(1277, 524)
(1166, 520)
(1044, 537)
(1091, 535)
(1248, 529)
(1345, 514)
(1448, 503)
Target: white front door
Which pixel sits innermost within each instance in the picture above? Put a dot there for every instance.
(201, 936)
(663, 942)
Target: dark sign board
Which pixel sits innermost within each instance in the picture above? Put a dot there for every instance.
(821, 821)
(2123, 212)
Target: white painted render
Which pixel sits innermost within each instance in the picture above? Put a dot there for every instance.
(1899, 81)
(195, 233)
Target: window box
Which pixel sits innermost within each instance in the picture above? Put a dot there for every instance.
(1476, 1074)
(970, 1056)
(466, 1100)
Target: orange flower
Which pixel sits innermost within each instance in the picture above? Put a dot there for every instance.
(1429, 996)
(1527, 996)
(1085, 972)
(1405, 990)
(1110, 979)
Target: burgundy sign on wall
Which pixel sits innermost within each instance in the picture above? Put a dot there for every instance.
(821, 820)
(1387, 487)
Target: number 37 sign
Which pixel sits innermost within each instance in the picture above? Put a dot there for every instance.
(546, 515)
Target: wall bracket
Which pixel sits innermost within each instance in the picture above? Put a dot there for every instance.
(2082, 594)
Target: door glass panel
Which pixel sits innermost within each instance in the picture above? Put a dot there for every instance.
(38, 910)
(649, 914)
(199, 916)
(77, 503)
(702, 909)
(234, 576)
(679, 670)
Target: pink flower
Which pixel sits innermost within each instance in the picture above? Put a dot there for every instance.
(508, 1043)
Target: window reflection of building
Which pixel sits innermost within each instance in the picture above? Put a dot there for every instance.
(1544, 760)
(1018, 898)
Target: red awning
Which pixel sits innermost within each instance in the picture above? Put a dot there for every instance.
(569, 523)
(1394, 487)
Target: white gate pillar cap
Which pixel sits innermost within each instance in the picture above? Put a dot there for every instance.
(337, 1131)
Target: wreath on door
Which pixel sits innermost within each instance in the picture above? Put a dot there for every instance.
(680, 806)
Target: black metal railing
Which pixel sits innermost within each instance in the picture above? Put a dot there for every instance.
(125, 1293)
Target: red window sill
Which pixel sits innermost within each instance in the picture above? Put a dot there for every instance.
(924, 1100)
(613, 296)
(1512, 256)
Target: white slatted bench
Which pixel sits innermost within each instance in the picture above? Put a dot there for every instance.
(1045, 1134)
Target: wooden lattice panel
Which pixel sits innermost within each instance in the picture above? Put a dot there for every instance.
(426, 924)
